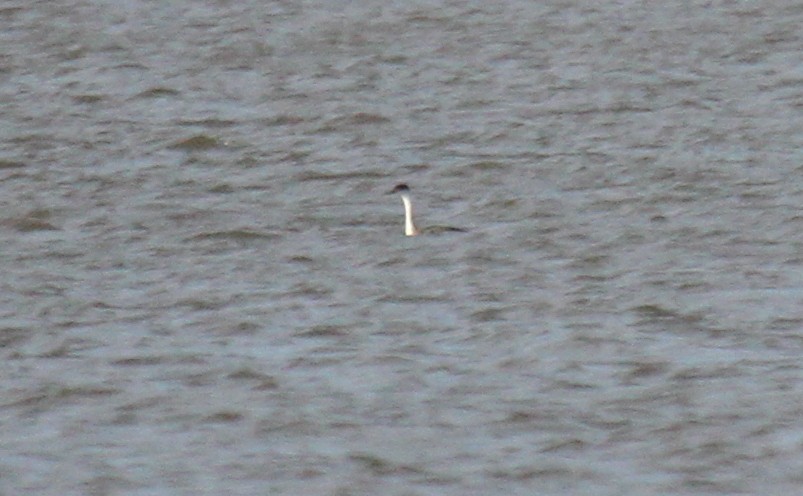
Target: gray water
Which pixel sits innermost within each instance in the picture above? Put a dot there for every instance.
(205, 290)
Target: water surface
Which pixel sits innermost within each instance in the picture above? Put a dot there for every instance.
(206, 291)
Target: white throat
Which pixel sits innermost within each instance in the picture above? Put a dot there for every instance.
(409, 227)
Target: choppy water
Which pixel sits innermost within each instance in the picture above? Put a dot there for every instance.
(205, 290)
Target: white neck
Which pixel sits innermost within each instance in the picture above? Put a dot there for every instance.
(409, 227)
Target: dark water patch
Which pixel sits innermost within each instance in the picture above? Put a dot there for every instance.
(565, 446)
(505, 206)
(285, 424)
(324, 331)
(50, 395)
(145, 361)
(10, 11)
(391, 359)
(295, 157)
(592, 261)
(395, 59)
(201, 379)
(613, 205)
(657, 316)
(641, 370)
(40, 141)
(197, 143)
(527, 417)
(10, 336)
(68, 348)
(791, 82)
(158, 92)
(488, 315)
(238, 236)
(46, 290)
(242, 328)
(317, 359)
(654, 312)
(601, 419)
(594, 110)
(427, 18)
(451, 139)
(306, 289)
(576, 385)
(11, 164)
(788, 342)
(392, 262)
(35, 220)
(222, 189)
(199, 304)
(360, 118)
(378, 465)
(88, 99)
(208, 123)
(413, 300)
(541, 472)
(322, 176)
(143, 404)
(786, 324)
(698, 373)
(131, 65)
(109, 484)
(417, 168)
(282, 120)
(223, 417)
(301, 259)
(264, 381)
(181, 217)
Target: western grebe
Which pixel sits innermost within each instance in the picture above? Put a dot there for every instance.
(409, 226)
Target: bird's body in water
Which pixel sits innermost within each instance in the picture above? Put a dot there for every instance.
(410, 228)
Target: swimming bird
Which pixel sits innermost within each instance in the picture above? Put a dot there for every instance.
(409, 227)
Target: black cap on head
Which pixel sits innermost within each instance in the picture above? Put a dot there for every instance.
(400, 187)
